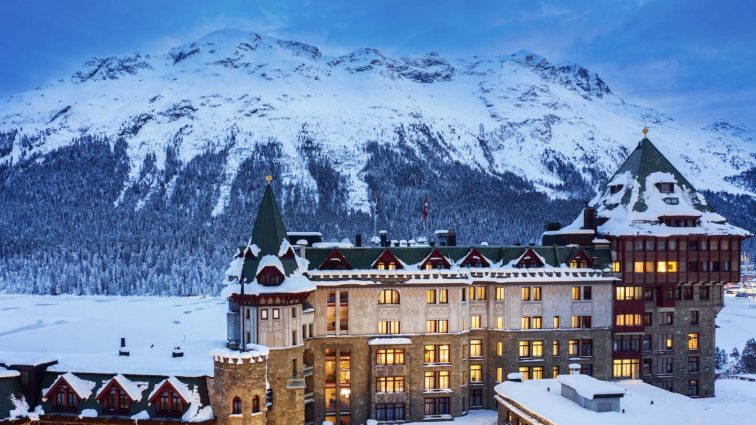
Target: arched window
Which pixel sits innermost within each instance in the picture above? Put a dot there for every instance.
(255, 404)
(237, 406)
(388, 296)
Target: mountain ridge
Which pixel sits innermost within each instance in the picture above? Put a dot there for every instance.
(355, 141)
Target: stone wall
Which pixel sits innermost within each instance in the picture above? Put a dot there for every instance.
(238, 377)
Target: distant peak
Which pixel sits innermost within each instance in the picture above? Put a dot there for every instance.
(726, 127)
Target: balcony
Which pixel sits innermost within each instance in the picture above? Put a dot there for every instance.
(295, 382)
(307, 370)
(309, 397)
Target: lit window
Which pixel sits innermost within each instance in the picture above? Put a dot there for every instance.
(388, 296)
(388, 327)
(626, 368)
(499, 322)
(693, 341)
(615, 266)
(481, 292)
(443, 296)
(524, 348)
(555, 348)
(638, 267)
(536, 322)
(556, 322)
(525, 372)
(537, 293)
(476, 348)
(575, 292)
(537, 372)
(537, 348)
(525, 322)
(525, 294)
(499, 293)
(475, 322)
(499, 374)
(499, 348)
(430, 296)
(476, 373)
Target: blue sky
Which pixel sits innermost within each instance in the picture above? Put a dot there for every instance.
(693, 59)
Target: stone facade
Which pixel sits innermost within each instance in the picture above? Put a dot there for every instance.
(243, 378)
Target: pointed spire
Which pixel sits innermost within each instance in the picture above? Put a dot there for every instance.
(269, 229)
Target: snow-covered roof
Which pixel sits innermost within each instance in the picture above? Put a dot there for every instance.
(293, 284)
(56, 325)
(82, 387)
(333, 244)
(590, 387)
(389, 341)
(285, 247)
(632, 202)
(181, 388)
(270, 261)
(132, 388)
(641, 404)
(8, 373)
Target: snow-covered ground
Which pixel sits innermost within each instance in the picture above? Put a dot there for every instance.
(737, 323)
(83, 333)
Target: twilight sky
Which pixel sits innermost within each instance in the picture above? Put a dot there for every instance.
(693, 59)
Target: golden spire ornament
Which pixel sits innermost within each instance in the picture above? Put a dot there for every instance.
(268, 178)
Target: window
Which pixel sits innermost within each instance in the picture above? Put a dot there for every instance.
(687, 292)
(430, 296)
(667, 318)
(649, 245)
(693, 364)
(389, 296)
(581, 322)
(499, 322)
(694, 317)
(276, 313)
(587, 295)
(436, 353)
(389, 412)
(390, 384)
(525, 293)
(537, 372)
(436, 406)
(524, 348)
(627, 320)
(646, 343)
(693, 388)
(65, 399)
(626, 344)
(443, 296)
(573, 347)
(628, 293)
(499, 374)
(638, 267)
(648, 319)
(525, 322)
(476, 348)
(264, 314)
(665, 342)
(626, 368)
(437, 326)
(536, 322)
(536, 348)
(438, 380)
(537, 293)
(331, 313)
(499, 295)
(475, 322)
(237, 406)
(693, 341)
(388, 327)
(476, 373)
(666, 266)
(344, 312)
(256, 404)
(480, 292)
(586, 347)
(499, 348)
(616, 267)
(555, 348)
(648, 294)
(389, 356)
(703, 293)
(586, 369)
(575, 293)
(525, 372)
(554, 371)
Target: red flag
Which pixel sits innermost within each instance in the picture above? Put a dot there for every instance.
(425, 209)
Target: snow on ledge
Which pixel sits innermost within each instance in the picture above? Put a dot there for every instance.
(255, 354)
(389, 341)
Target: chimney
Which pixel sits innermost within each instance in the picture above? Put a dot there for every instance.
(451, 238)
(574, 368)
(384, 238)
(553, 226)
(590, 221)
(358, 240)
(178, 352)
(123, 351)
(302, 245)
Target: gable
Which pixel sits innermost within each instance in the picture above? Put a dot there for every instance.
(387, 261)
(173, 385)
(529, 259)
(474, 259)
(580, 260)
(335, 261)
(434, 260)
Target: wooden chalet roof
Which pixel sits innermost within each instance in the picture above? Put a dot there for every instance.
(142, 403)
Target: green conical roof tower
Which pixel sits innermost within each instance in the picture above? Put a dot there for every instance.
(269, 229)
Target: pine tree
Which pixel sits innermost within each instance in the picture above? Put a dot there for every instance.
(720, 358)
(747, 363)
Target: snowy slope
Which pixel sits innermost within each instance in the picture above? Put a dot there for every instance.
(232, 89)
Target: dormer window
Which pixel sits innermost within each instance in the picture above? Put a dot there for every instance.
(335, 261)
(65, 399)
(671, 201)
(474, 259)
(386, 261)
(666, 187)
(615, 188)
(435, 260)
(529, 260)
(270, 276)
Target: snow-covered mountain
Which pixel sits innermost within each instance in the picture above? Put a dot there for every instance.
(342, 132)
